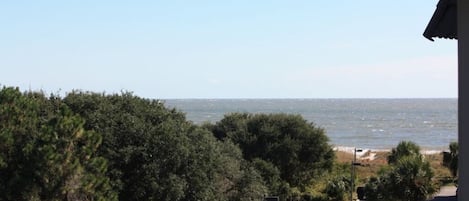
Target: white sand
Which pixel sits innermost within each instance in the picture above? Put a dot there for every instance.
(370, 154)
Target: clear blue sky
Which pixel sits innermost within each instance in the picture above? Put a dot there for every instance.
(227, 49)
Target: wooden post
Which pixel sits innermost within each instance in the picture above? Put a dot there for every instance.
(463, 99)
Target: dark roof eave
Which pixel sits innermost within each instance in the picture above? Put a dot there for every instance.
(443, 23)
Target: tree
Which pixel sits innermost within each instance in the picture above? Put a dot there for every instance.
(45, 154)
(408, 179)
(403, 149)
(298, 149)
(450, 159)
(338, 188)
(270, 174)
(411, 179)
(154, 153)
(250, 186)
(375, 189)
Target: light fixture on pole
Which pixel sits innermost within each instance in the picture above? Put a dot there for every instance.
(354, 163)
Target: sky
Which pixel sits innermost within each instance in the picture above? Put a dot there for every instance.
(227, 49)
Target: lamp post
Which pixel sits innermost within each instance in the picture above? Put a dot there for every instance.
(354, 163)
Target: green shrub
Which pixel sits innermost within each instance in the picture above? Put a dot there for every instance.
(408, 179)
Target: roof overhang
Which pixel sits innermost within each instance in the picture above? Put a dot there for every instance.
(444, 21)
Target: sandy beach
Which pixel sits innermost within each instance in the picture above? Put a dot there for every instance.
(371, 154)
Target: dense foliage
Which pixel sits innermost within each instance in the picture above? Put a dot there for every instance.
(409, 177)
(154, 153)
(288, 150)
(91, 146)
(450, 159)
(338, 188)
(403, 149)
(45, 154)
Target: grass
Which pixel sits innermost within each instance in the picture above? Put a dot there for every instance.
(371, 168)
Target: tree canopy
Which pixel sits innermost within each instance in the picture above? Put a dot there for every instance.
(297, 148)
(45, 153)
(93, 146)
(154, 153)
(90, 146)
(403, 149)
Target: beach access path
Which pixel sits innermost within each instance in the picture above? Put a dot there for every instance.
(446, 193)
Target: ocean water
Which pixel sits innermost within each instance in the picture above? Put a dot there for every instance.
(363, 123)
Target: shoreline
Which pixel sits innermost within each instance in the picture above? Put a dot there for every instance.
(350, 150)
(367, 154)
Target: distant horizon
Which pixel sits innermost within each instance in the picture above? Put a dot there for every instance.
(63, 93)
(300, 98)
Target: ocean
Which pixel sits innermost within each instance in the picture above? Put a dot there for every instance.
(378, 124)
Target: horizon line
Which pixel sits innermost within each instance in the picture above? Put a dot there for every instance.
(350, 98)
